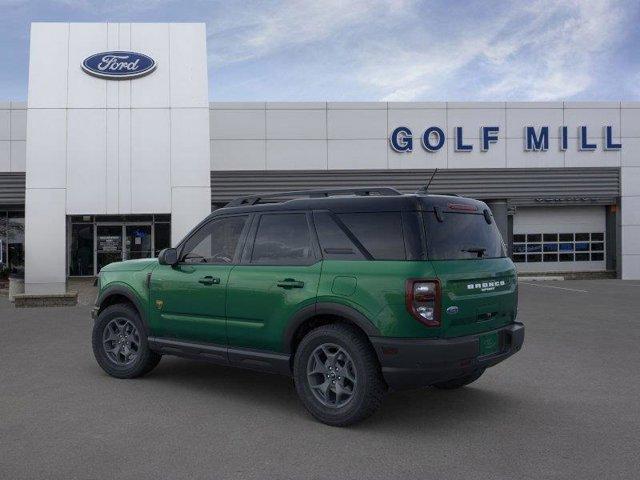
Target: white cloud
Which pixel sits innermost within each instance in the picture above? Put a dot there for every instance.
(248, 33)
(396, 50)
(569, 50)
(548, 50)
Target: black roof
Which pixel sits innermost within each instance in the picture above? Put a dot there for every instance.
(387, 201)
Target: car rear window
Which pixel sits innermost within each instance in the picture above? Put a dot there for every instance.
(462, 236)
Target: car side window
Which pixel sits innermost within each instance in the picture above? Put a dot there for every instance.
(334, 242)
(282, 239)
(216, 242)
(379, 232)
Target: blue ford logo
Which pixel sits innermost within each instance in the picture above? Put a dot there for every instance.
(118, 65)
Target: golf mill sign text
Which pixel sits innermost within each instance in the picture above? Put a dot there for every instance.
(536, 139)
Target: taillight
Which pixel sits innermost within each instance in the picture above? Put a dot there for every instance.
(423, 301)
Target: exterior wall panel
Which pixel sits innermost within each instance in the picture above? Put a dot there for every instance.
(296, 124)
(47, 148)
(86, 187)
(284, 155)
(5, 156)
(13, 134)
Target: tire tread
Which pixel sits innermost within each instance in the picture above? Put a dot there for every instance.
(374, 395)
(149, 360)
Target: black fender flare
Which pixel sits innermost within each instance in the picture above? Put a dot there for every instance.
(326, 308)
(129, 295)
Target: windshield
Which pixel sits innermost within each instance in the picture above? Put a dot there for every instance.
(462, 236)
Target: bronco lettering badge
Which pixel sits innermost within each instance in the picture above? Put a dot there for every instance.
(486, 286)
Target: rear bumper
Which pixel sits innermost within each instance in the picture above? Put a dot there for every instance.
(411, 363)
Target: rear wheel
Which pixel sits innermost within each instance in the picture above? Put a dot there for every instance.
(337, 375)
(460, 381)
(120, 343)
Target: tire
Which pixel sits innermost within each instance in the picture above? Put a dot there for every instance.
(460, 381)
(353, 365)
(130, 356)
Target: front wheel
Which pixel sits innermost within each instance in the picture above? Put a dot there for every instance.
(120, 343)
(337, 375)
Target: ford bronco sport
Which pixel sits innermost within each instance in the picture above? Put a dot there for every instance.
(351, 292)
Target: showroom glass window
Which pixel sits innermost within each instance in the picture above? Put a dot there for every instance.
(4, 268)
(97, 240)
(12, 239)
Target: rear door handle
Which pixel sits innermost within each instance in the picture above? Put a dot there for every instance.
(209, 280)
(290, 283)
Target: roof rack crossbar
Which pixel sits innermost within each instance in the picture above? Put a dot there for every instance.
(254, 199)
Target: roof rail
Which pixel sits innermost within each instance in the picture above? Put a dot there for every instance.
(253, 199)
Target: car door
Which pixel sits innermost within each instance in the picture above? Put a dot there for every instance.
(278, 275)
(188, 300)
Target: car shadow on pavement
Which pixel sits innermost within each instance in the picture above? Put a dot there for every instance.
(401, 411)
(444, 409)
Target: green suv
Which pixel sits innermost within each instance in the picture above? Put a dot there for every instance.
(351, 292)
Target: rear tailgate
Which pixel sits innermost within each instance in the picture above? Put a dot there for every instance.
(478, 295)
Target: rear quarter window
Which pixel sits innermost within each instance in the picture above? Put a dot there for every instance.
(334, 242)
(380, 233)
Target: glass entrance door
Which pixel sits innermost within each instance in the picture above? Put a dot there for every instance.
(82, 250)
(137, 242)
(108, 245)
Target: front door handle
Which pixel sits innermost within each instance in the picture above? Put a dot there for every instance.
(209, 280)
(290, 283)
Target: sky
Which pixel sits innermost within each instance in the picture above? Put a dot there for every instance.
(377, 50)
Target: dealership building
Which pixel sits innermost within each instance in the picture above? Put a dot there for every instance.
(118, 152)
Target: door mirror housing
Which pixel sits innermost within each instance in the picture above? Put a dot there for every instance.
(168, 256)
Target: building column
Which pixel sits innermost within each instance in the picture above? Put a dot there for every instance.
(45, 241)
(630, 223)
(499, 209)
(189, 206)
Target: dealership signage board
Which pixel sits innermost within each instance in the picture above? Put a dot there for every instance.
(118, 65)
(535, 139)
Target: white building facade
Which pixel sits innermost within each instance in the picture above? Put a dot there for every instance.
(103, 169)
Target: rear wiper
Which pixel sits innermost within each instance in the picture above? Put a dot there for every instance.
(477, 250)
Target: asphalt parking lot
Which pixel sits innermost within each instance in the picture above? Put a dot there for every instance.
(567, 406)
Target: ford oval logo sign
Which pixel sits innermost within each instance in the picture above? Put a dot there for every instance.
(118, 65)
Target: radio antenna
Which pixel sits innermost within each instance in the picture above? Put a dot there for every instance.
(425, 189)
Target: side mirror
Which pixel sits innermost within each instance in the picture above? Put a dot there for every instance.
(168, 256)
